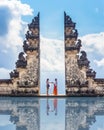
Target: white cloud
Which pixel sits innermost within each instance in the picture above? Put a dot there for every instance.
(16, 25)
(17, 7)
(100, 63)
(93, 43)
(52, 54)
(4, 73)
(11, 42)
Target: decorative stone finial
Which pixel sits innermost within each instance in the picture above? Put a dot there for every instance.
(21, 62)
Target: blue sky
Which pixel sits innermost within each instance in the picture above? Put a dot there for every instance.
(89, 15)
(16, 14)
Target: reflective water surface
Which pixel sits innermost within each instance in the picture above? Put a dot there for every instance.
(51, 113)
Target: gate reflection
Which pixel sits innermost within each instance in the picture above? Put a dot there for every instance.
(24, 112)
(29, 113)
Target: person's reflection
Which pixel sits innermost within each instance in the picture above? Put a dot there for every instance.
(54, 106)
(48, 107)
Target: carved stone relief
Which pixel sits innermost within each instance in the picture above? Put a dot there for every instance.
(30, 78)
(73, 73)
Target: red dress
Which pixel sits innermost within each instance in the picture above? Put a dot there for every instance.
(55, 90)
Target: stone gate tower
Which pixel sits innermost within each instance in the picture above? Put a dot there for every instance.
(79, 77)
(25, 79)
(76, 68)
(28, 67)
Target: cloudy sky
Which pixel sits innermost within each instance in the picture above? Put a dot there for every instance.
(16, 14)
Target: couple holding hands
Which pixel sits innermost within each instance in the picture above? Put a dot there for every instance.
(54, 88)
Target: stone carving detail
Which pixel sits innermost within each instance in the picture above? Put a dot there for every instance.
(30, 47)
(14, 74)
(68, 21)
(35, 23)
(25, 46)
(31, 77)
(21, 62)
(73, 74)
(73, 46)
(70, 31)
(83, 61)
(73, 34)
(90, 73)
(32, 36)
(78, 45)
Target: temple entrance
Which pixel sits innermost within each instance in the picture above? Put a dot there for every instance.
(43, 58)
(52, 59)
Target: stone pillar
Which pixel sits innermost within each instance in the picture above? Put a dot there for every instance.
(28, 64)
(32, 49)
(73, 75)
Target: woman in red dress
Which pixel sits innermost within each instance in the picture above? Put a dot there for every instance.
(55, 87)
